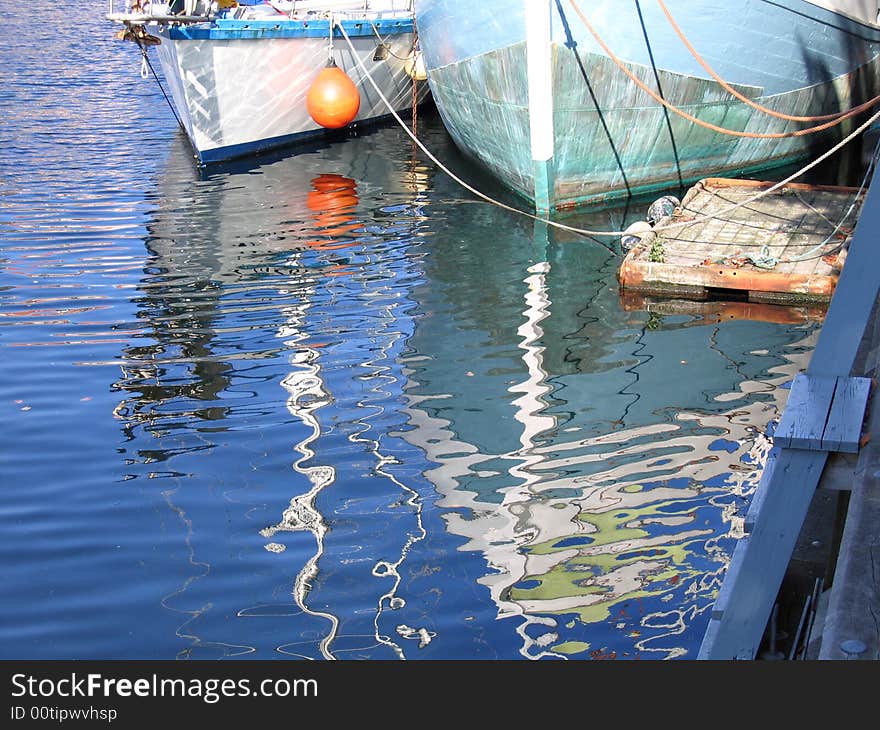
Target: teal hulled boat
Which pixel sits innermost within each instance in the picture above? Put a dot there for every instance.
(552, 96)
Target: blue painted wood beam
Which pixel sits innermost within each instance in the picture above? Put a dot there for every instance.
(824, 413)
(779, 507)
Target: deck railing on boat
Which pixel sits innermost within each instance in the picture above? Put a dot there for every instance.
(150, 8)
(207, 8)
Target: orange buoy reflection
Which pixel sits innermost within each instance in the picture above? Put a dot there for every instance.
(333, 200)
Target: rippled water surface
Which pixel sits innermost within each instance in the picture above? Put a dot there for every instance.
(328, 405)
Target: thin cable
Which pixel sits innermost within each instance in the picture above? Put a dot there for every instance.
(387, 47)
(813, 208)
(455, 177)
(159, 83)
(583, 231)
(660, 89)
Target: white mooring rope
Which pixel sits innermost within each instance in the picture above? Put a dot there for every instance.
(584, 231)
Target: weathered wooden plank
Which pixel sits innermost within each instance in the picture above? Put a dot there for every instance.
(725, 595)
(844, 426)
(857, 291)
(803, 423)
(854, 601)
(757, 503)
(635, 273)
(759, 563)
(790, 486)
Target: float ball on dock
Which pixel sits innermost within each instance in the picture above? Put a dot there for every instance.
(333, 100)
(636, 233)
(662, 208)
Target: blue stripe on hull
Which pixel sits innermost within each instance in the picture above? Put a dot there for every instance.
(236, 151)
(224, 30)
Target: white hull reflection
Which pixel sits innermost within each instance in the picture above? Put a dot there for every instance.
(577, 537)
(268, 256)
(306, 395)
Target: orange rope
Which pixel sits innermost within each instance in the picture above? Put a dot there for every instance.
(584, 231)
(727, 87)
(690, 117)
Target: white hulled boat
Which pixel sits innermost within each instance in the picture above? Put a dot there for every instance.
(240, 73)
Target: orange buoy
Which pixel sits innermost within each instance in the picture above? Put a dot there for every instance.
(333, 100)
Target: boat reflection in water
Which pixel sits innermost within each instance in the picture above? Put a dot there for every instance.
(255, 278)
(605, 490)
(377, 419)
(334, 201)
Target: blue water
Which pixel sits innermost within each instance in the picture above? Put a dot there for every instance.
(329, 405)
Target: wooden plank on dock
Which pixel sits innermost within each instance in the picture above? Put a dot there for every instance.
(854, 601)
(806, 412)
(824, 413)
(725, 597)
(844, 427)
(757, 503)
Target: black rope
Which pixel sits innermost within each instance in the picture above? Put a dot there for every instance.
(570, 43)
(662, 96)
(158, 82)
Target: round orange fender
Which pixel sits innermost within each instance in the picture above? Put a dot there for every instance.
(333, 100)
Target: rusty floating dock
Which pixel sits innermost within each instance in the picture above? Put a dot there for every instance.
(787, 247)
